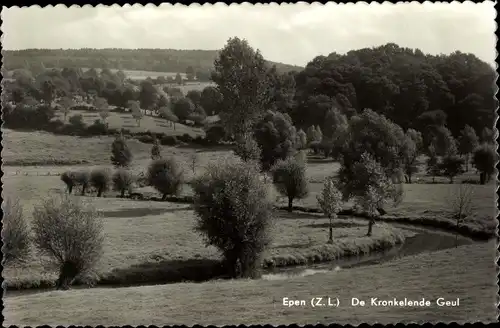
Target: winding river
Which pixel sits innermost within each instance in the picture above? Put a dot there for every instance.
(424, 240)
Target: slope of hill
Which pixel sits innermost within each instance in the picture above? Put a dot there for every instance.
(160, 60)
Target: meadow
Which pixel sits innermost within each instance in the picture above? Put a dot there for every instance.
(466, 272)
(152, 241)
(154, 124)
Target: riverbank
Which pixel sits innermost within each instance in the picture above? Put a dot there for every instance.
(158, 245)
(467, 272)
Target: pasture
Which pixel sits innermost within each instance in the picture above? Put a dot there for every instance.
(141, 75)
(143, 239)
(466, 272)
(150, 242)
(149, 238)
(127, 121)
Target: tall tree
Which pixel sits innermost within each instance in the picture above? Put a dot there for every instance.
(276, 136)
(240, 75)
(121, 156)
(102, 106)
(66, 103)
(211, 100)
(468, 142)
(136, 111)
(148, 96)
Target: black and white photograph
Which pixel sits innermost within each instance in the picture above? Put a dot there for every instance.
(215, 164)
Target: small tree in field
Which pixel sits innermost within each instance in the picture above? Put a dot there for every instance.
(311, 134)
(289, 177)
(433, 165)
(373, 188)
(451, 166)
(135, 109)
(101, 180)
(69, 179)
(122, 181)
(70, 234)
(15, 232)
(193, 159)
(484, 160)
(234, 212)
(166, 176)
(155, 150)
(82, 179)
(120, 152)
(330, 202)
(248, 149)
(101, 104)
(468, 142)
(461, 205)
(66, 103)
(301, 140)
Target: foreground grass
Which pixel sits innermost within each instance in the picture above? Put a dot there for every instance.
(156, 242)
(467, 273)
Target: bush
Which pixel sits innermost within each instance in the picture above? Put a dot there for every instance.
(68, 178)
(451, 166)
(289, 177)
(186, 138)
(15, 232)
(58, 221)
(166, 176)
(55, 125)
(199, 140)
(248, 149)
(76, 122)
(169, 141)
(145, 139)
(97, 129)
(120, 152)
(101, 180)
(484, 160)
(315, 147)
(122, 181)
(215, 134)
(155, 150)
(82, 179)
(234, 214)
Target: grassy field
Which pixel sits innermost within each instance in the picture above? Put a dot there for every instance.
(147, 238)
(126, 121)
(142, 75)
(42, 148)
(467, 273)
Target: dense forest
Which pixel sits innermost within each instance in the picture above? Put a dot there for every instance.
(158, 60)
(411, 88)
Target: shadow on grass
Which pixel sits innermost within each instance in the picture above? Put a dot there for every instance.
(167, 271)
(335, 224)
(303, 245)
(140, 212)
(298, 215)
(318, 160)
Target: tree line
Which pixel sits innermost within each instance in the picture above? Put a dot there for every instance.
(73, 88)
(155, 60)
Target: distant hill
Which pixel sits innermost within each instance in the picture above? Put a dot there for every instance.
(157, 60)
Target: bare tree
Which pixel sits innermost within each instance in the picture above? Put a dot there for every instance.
(461, 203)
(193, 160)
(15, 232)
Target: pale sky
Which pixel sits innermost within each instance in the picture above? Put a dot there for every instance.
(291, 34)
